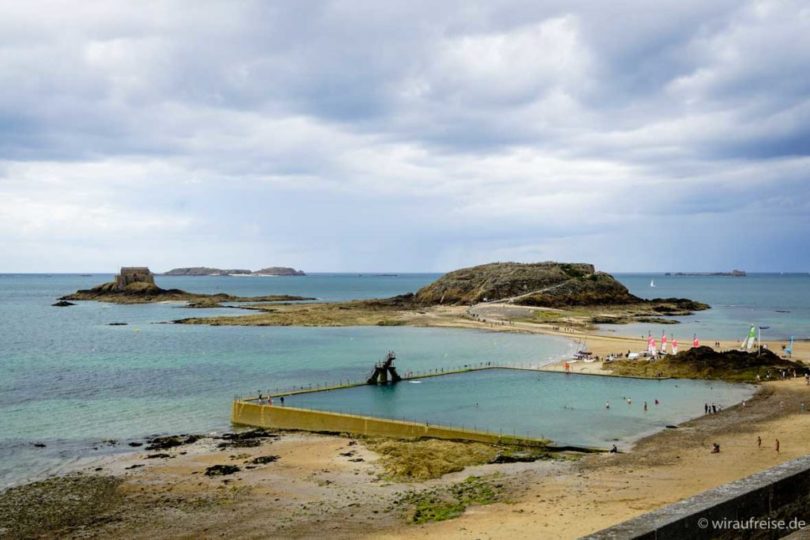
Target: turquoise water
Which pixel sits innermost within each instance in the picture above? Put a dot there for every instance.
(68, 379)
(569, 409)
(778, 301)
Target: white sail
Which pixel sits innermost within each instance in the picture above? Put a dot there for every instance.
(750, 340)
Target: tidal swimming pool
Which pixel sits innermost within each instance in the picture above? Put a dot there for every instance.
(568, 409)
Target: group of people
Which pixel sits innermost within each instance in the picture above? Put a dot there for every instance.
(629, 401)
(268, 399)
(777, 445)
(711, 409)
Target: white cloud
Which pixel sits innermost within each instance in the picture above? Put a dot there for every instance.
(329, 135)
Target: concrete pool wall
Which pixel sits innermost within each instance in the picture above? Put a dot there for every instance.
(247, 413)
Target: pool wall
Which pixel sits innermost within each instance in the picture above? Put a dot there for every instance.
(280, 417)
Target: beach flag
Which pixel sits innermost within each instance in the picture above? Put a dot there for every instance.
(674, 346)
(748, 342)
(789, 348)
(663, 344)
(651, 345)
(695, 342)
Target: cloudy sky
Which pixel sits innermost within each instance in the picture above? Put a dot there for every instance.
(404, 136)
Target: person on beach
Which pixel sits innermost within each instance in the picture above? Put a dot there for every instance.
(645, 406)
(715, 448)
(759, 441)
(705, 408)
(714, 408)
(614, 450)
(281, 399)
(777, 446)
(656, 402)
(607, 404)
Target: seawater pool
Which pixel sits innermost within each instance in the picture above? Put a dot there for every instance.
(568, 409)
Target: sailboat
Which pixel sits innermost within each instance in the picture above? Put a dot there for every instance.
(652, 283)
(750, 339)
(789, 348)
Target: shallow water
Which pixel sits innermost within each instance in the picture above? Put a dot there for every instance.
(69, 380)
(569, 409)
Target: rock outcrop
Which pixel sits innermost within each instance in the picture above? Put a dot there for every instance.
(136, 285)
(706, 363)
(548, 284)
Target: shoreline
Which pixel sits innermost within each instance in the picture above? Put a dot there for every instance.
(337, 482)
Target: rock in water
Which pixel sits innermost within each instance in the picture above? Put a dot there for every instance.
(63, 303)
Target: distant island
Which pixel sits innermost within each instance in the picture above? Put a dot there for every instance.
(733, 273)
(207, 271)
(136, 285)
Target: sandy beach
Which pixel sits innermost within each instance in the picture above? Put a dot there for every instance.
(321, 484)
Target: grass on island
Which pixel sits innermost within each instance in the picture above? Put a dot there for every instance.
(586, 317)
(50, 506)
(336, 314)
(444, 503)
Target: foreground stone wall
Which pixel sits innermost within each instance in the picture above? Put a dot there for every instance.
(280, 417)
(726, 512)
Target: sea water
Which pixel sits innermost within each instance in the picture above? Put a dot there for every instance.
(69, 380)
(779, 302)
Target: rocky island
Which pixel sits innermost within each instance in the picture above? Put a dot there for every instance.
(207, 271)
(136, 285)
(549, 293)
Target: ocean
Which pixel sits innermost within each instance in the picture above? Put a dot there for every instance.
(780, 302)
(71, 381)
